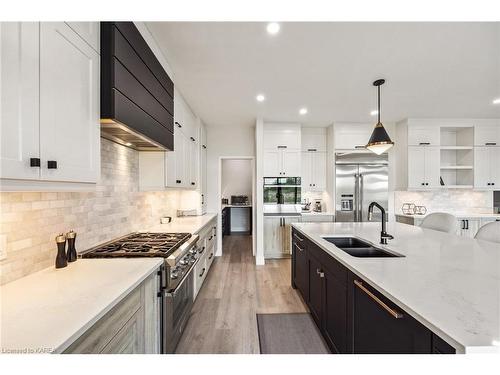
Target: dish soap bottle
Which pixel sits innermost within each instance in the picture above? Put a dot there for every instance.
(71, 237)
(61, 260)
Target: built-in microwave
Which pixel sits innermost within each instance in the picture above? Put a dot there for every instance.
(282, 190)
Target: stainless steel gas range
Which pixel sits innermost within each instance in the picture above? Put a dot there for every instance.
(181, 253)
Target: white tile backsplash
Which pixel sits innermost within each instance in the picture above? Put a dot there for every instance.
(30, 221)
(446, 200)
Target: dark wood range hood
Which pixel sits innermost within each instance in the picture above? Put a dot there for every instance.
(137, 95)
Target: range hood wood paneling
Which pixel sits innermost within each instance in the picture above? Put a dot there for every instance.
(137, 104)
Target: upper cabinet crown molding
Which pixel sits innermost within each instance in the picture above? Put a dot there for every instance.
(50, 110)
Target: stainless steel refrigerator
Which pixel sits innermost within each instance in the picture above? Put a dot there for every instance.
(361, 178)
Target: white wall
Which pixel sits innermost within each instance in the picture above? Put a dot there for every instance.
(236, 178)
(225, 141)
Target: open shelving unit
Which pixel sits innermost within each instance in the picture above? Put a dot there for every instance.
(457, 157)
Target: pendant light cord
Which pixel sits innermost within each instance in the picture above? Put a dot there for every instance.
(378, 108)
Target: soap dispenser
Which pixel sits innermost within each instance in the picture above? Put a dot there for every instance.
(61, 260)
(71, 237)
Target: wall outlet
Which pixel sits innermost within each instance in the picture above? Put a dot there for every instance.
(3, 246)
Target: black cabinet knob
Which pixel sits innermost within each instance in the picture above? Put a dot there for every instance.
(178, 181)
(51, 164)
(192, 183)
(178, 125)
(204, 146)
(35, 162)
(423, 183)
(192, 139)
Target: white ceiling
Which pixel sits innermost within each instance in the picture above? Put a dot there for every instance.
(431, 70)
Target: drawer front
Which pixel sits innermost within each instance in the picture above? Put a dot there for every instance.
(210, 256)
(200, 272)
(102, 333)
(130, 339)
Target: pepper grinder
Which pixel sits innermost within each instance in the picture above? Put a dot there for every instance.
(61, 260)
(71, 236)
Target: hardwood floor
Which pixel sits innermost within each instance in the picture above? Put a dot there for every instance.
(223, 319)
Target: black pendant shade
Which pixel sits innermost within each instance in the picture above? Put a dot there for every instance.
(379, 141)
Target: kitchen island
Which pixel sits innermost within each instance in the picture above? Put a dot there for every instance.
(447, 285)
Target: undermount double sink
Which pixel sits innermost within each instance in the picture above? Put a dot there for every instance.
(359, 248)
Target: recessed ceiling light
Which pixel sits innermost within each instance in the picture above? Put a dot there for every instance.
(128, 144)
(374, 113)
(273, 28)
(496, 101)
(260, 98)
(303, 111)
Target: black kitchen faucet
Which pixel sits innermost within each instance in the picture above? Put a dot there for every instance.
(384, 236)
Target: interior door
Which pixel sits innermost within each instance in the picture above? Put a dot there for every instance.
(69, 105)
(374, 185)
(19, 99)
(345, 192)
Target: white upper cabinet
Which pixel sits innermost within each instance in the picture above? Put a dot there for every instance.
(50, 105)
(69, 105)
(89, 32)
(282, 155)
(182, 166)
(487, 134)
(352, 136)
(203, 166)
(291, 163)
(272, 163)
(423, 168)
(313, 171)
(19, 87)
(423, 133)
(313, 139)
(282, 136)
(487, 168)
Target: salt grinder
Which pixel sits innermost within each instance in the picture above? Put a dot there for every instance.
(61, 260)
(71, 236)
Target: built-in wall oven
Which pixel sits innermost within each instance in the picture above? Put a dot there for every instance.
(282, 190)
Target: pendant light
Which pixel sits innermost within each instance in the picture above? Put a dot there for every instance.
(380, 141)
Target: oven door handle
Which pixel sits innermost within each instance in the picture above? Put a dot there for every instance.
(174, 292)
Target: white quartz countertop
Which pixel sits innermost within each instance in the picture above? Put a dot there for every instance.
(450, 284)
(47, 311)
(186, 224)
(458, 214)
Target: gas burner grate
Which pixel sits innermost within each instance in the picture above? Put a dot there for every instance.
(140, 244)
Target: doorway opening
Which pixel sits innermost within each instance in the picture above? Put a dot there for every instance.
(236, 197)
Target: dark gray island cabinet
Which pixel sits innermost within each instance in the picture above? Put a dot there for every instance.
(351, 315)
